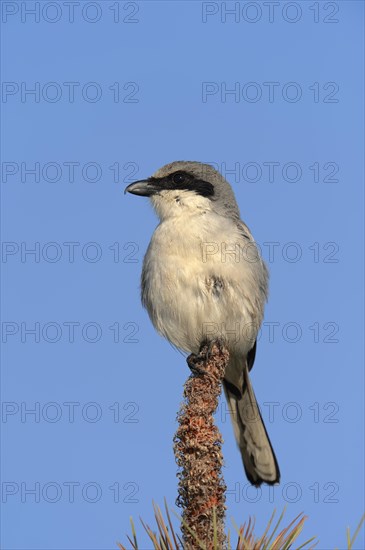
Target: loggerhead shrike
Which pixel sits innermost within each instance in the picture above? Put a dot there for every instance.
(203, 279)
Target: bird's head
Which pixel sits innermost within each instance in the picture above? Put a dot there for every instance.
(183, 187)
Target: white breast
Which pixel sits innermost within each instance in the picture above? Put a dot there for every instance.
(197, 282)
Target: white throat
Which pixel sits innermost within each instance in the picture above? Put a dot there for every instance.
(175, 203)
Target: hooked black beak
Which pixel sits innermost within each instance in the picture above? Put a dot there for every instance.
(144, 188)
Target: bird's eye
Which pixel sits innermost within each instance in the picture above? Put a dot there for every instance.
(178, 178)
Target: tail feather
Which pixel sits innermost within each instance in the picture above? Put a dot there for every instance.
(258, 456)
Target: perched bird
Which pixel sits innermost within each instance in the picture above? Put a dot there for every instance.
(203, 279)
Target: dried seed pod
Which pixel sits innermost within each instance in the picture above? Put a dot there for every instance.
(197, 447)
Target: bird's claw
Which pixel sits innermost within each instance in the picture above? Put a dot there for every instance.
(202, 357)
(193, 360)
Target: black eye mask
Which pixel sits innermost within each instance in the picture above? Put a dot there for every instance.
(173, 182)
(183, 181)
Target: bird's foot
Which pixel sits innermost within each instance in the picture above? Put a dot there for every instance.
(195, 361)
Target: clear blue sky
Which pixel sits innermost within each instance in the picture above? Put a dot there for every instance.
(117, 94)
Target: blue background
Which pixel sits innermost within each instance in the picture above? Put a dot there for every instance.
(315, 384)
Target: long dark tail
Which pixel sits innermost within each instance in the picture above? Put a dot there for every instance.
(258, 456)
